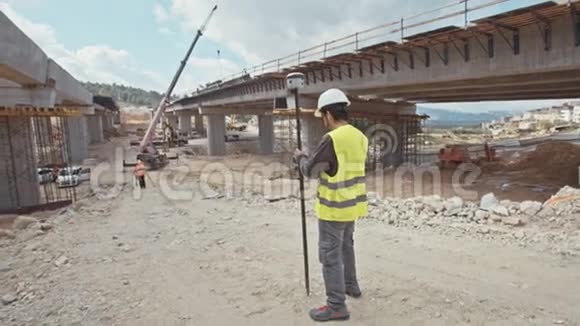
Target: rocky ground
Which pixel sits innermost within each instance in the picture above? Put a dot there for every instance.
(552, 226)
(140, 259)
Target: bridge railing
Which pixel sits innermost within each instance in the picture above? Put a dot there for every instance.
(391, 31)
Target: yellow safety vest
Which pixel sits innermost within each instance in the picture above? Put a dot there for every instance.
(343, 197)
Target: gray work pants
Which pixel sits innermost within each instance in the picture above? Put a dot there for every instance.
(336, 253)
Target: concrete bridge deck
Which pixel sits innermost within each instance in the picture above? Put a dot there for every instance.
(29, 77)
(47, 118)
(529, 53)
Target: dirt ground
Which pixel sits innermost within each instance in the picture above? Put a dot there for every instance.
(150, 261)
(126, 257)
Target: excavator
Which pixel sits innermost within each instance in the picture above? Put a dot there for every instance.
(148, 154)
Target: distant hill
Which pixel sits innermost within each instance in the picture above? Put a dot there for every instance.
(125, 95)
(447, 118)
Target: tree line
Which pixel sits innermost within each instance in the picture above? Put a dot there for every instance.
(125, 95)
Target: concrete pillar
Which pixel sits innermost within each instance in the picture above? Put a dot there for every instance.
(104, 122)
(18, 168)
(184, 123)
(216, 133)
(172, 121)
(266, 131)
(77, 138)
(199, 128)
(95, 126)
(107, 122)
(312, 131)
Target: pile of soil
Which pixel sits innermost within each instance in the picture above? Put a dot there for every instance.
(555, 162)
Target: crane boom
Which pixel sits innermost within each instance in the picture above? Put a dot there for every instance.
(146, 146)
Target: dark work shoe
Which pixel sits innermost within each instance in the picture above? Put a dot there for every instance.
(353, 293)
(327, 314)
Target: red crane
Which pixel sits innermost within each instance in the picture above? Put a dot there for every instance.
(147, 151)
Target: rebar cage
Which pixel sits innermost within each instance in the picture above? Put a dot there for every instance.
(393, 139)
(34, 148)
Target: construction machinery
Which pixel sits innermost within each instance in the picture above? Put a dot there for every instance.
(148, 154)
(234, 125)
(453, 155)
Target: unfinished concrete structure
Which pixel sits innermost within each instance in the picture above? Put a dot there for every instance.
(79, 139)
(199, 125)
(107, 111)
(42, 120)
(529, 53)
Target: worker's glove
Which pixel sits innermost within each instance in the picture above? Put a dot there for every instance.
(298, 154)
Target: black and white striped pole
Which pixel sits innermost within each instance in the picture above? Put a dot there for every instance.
(294, 82)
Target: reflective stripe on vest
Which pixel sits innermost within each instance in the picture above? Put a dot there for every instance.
(342, 184)
(343, 197)
(342, 204)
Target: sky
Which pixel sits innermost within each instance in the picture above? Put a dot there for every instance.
(140, 42)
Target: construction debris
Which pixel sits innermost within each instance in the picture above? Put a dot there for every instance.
(7, 234)
(488, 202)
(530, 208)
(49, 270)
(62, 260)
(22, 222)
(45, 226)
(491, 218)
(552, 162)
(9, 299)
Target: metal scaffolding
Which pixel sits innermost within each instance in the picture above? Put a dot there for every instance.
(34, 149)
(393, 139)
(284, 133)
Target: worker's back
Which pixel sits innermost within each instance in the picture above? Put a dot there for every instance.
(342, 197)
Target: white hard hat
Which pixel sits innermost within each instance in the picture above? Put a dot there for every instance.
(331, 96)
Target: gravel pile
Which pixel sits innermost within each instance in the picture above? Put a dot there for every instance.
(553, 225)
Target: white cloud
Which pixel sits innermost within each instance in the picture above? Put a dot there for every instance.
(260, 30)
(165, 31)
(25, 3)
(103, 63)
(97, 63)
(160, 13)
(204, 70)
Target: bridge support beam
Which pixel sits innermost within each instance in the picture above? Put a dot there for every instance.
(199, 128)
(266, 131)
(184, 122)
(77, 141)
(216, 135)
(107, 122)
(172, 121)
(95, 128)
(38, 97)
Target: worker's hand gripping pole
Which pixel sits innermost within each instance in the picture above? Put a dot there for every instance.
(294, 82)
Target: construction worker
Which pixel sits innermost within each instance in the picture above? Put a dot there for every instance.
(339, 162)
(140, 173)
